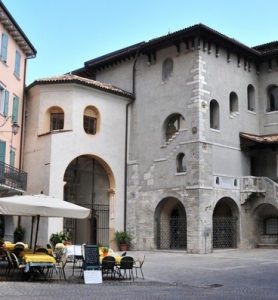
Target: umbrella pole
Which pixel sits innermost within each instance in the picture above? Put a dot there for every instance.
(37, 230)
(32, 229)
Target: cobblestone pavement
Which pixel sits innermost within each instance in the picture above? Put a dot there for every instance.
(230, 274)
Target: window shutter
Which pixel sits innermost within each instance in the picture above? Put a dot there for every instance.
(6, 103)
(12, 158)
(15, 108)
(2, 151)
(17, 63)
(4, 47)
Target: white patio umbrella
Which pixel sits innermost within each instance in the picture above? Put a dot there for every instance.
(41, 206)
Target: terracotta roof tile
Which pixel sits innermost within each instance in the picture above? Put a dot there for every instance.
(70, 78)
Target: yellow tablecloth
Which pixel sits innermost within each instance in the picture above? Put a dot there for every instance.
(41, 258)
(10, 246)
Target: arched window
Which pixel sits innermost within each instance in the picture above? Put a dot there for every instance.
(181, 165)
(90, 120)
(251, 97)
(167, 69)
(233, 102)
(56, 118)
(272, 104)
(214, 114)
(173, 124)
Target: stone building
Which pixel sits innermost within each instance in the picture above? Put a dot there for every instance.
(197, 142)
(15, 50)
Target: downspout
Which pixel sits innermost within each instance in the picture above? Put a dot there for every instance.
(23, 115)
(126, 135)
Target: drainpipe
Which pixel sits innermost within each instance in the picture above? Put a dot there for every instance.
(23, 114)
(126, 136)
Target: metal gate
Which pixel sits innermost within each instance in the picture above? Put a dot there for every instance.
(99, 225)
(224, 232)
(171, 233)
(100, 228)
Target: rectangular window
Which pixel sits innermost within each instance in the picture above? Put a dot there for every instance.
(17, 64)
(56, 121)
(4, 101)
(4, 47)
(12, 158)
(15, 109)
(2, 151)
(90, 124)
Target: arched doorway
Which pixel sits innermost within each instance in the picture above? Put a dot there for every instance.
(171, 227)
(225, 224)
(88, 182)
(266, 224)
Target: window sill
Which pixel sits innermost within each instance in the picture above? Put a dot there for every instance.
(215, 130)
(181, 173)
(17, 77)
(54, 132)
(252, 112)
(271, 112)
(4, 63)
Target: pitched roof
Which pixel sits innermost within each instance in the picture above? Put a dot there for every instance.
(175, 38)
(16, 32)
(70, 78)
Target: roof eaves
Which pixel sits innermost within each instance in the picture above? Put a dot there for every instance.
(112, 90)
(32, 48)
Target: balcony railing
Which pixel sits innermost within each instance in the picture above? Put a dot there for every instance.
(12, 177)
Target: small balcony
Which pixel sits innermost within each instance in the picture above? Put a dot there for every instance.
(12, 178)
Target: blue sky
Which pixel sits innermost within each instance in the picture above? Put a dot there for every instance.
(66, 33)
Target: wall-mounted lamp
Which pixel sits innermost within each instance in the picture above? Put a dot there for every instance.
(15, 126)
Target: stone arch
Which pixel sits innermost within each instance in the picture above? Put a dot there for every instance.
(89, 182)
(265, 217)
(214, 114)
(173, 124)
(170, 224)
(225, 223)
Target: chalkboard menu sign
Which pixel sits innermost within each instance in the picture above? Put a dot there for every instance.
(91, 257)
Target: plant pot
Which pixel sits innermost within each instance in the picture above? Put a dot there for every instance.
(123, 247)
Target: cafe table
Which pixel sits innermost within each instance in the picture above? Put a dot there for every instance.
(38, 260)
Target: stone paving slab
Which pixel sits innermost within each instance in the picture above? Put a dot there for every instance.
(236, 274)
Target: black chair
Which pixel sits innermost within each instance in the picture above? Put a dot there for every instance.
(42, 250)
(108, 266)
(126, 264)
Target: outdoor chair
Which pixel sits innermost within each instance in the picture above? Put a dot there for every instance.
(126, 264)
(108, 266)
(138, 264)
(10, 265)
(60, 266)
(18, 249)
(16, 264)
(42, 250)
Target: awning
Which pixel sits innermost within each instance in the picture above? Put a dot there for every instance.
(251, 141)
(42, 205)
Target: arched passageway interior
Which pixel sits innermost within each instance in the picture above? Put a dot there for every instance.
(225, 224)
(171, 225)
(88, 182)
(266, 222)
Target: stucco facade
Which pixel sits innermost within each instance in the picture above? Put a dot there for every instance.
(15, 49)
(194, 156)
(48, 154)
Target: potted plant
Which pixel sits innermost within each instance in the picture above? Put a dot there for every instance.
(123, 240)
(19, 234)
(59, 237)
